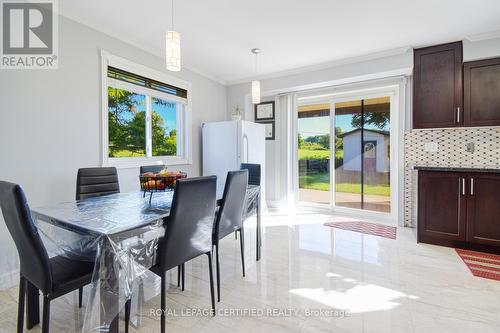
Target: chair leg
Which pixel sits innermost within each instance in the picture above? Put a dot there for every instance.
(179, 276)
(183, 275)
(211, 282)
(163, 302)
(242, 246)
(20, 308)
(46, 314)
(127, 314)
(217, 270)
(80, 297)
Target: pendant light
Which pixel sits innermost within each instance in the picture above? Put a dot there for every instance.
(173, 47)
(256, 83)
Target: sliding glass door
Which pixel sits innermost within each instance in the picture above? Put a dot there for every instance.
(344, 153)
(313, 137)
(362, 154)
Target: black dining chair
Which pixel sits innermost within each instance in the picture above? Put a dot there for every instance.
(155, 169)
(151, 168)
(93, 182)
(254, 173)
(188, 232)
(229, 216)
(54, 276)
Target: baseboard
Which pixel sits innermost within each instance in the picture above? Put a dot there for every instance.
(9, 279)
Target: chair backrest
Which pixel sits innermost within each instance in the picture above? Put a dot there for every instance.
(94, 182)
(229, 216)
(189, 226)
(33, 256)
(253, 173)
(151, 168)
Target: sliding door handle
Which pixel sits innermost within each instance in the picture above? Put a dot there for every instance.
(458, 114)
(472, 186)
(463, 186)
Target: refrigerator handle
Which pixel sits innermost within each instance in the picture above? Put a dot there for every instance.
(245, 148)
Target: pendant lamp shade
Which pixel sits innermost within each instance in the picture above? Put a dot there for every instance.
(173, 50)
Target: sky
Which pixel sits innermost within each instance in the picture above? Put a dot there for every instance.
(320, 125)
(168, 113)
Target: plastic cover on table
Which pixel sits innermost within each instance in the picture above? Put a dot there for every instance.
(122, 241)
(121, 235)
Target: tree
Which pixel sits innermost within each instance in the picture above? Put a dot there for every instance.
(127, 126)
(301, 141)
(322, 140)
(378, 119)
(339, 141)
(122, 114)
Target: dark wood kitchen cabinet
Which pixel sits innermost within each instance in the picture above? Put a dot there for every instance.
(459, 209)
(482, 93)
(437, 86)
(483, 209)
(441, 208)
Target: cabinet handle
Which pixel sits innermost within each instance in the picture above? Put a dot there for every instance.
(463, 186)
(458, 114)
(472, 186)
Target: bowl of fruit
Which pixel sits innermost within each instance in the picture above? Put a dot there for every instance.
(161, 181)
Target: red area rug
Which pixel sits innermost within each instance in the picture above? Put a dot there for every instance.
(481, 264)
(364, 227)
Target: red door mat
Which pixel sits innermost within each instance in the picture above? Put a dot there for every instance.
(481, 264)
(364, 228)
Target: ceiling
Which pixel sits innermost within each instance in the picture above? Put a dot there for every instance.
(217, 35)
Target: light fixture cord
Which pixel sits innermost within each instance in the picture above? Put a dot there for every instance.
(256, 63)
(172, 15)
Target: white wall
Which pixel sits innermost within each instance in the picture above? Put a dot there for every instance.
(50, 121)
(482, 49)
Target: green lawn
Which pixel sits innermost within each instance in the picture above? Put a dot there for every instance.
(321, 181)
(128, 153)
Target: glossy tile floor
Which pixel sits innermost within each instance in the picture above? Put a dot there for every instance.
(382, 285)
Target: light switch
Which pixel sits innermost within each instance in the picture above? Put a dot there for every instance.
(431, 147)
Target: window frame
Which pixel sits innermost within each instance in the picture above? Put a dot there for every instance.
(184, 132)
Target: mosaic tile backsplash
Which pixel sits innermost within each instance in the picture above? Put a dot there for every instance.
(451, 153)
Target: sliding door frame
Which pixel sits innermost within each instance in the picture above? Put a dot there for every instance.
(395, 90)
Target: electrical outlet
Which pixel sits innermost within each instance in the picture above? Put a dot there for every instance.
(431, 147)
(469, 147)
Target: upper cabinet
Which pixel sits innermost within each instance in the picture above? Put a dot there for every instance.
(437, 86)
(482, 93)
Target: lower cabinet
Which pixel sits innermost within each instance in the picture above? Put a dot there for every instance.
(441, 208)
(459, 209)
(483, 209)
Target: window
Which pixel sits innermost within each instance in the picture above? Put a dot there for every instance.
(146, 118)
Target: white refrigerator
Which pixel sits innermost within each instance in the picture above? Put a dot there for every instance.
(227, 144)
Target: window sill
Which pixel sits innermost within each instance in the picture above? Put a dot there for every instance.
(136, 162)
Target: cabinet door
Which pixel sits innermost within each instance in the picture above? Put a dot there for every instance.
(483, 209)
(482, 93)
(441, 208)
(437, 86)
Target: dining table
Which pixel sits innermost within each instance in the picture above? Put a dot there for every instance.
(120, 233)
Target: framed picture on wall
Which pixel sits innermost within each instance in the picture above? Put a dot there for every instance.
(264, 111)
(269, 129)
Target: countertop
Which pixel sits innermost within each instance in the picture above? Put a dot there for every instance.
(455, 169)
